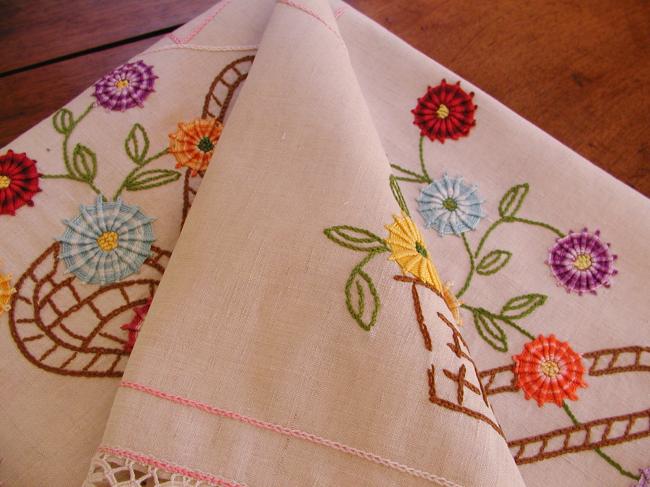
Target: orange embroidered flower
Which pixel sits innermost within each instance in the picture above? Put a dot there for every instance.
(193, 143)
(548, 370)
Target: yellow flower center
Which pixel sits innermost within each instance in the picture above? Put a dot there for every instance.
(123, 83)
(107, 241)
(550, 368)
(582, 262)
(442, 111)
(4, 182)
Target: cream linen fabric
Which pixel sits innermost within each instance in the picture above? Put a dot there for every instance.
(52, 424)
(251, 316)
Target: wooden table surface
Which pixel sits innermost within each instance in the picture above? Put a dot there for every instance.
(580, 70)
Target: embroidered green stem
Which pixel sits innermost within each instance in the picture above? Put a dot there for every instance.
(509, 205)
(538, 224)
(360, 240)
(600, 453)
(355, 238)
(502, 317)
(133, 181)
(422, 165)
(411, 176)
(81, 166)
(397, 194)
(71, 178)
(520, 329)
(362, 281)
(470, 274)
(68, 133)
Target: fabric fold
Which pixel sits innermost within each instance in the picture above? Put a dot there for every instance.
(366, 219)
(250, 345)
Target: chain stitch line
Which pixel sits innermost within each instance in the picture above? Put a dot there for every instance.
(201, 26)
(197, 47)
(151, 461)
(311, 13)
(291, 432)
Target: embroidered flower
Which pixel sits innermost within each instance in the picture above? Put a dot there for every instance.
(548, 370)
(5, 292)
(582, 262)
(409, 251)
(193, 143)
(106, 242)
(133, 326)
(18, 182)
(644, 480)
(445, 111)
(450, 206)
(126, 86)
(452, 303)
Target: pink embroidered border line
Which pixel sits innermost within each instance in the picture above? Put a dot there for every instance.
(168, 467)
(223, 4)
(291, 432)
(310, 12)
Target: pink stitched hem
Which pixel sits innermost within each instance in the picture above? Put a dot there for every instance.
(168, 467)
(310, 12)
(201, 26)
(291, 432)
(338, 12)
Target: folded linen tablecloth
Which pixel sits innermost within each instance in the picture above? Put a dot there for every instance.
(378, 283)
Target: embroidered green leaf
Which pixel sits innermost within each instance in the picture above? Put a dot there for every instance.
(84, 163)
(356, 238)
(397, 194)
(137, 144)
(489, 330)
(361, 297)
(151, 179)
(512, 200)
(63, 121)
(493, 262)
(408, 175)
(521, 306)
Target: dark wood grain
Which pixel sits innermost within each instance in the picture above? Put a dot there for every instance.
(578, 70)
(37, 30)
(35, 94)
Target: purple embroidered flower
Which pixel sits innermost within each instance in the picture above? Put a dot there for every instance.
(126, 86)
(581, 262)
(644, 481)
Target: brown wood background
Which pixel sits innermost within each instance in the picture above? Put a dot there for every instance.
(580, 70)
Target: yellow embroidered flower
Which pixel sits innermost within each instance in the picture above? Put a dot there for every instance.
(408, 250)
(5, 292)
(193, 143)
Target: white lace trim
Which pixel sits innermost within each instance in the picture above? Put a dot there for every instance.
(111, 471)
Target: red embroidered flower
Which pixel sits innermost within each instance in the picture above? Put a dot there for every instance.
(18, 182)
(548, 370)
(445, 111)
(135, 324)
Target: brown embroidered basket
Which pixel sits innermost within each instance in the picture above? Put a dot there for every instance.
(68, 327)
(216, 104)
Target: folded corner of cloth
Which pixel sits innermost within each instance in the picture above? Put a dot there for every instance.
(375, 284)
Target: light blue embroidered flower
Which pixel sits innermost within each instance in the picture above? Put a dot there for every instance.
(450, 206)
(106, 242)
